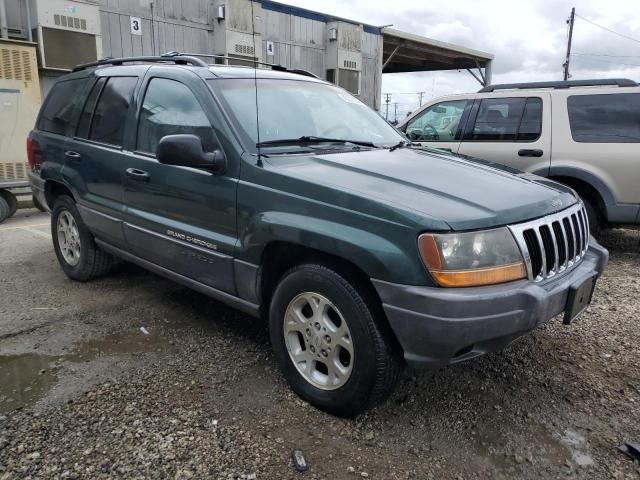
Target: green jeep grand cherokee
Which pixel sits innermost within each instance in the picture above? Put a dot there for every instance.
(286, 197)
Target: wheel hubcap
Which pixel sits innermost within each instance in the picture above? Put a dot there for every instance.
(318, 341)
(68, 238)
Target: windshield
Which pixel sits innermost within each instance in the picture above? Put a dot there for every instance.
(290, 109)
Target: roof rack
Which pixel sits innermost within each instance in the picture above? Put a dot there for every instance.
(620, 82)
(176, 59)
(186, 59)
(274, 66)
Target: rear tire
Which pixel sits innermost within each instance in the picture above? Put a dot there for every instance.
(4, 209)
(77, 252)
(345, 361)
(11, 200)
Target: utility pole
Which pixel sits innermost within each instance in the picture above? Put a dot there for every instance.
(420, 95)
(387, 100)
(395, 112)
(566, 62)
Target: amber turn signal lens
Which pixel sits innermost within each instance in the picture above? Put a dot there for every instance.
(481, 276)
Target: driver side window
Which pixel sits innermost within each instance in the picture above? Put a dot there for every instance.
(437, 123)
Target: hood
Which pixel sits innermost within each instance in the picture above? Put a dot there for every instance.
(462, 192)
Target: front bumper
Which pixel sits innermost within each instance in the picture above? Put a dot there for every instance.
(438, 326)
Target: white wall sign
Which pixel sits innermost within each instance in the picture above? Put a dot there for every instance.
(270, 49)
(136, 26)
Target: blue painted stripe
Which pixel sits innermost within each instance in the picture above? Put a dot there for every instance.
(9, 90)
(311, 15)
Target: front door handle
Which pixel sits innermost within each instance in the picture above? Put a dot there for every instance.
(138, 175)
(530, 152)
(71, 155)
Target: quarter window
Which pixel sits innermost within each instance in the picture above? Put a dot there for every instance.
(606, 118)
(170, 108)
(58, 110)
(107, 125)
(439, 122)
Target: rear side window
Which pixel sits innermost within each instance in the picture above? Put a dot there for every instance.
(606, 118)
(107, 124)
(507, 120)
(58, 109)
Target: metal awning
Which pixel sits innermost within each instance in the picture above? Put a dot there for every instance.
(406, 52)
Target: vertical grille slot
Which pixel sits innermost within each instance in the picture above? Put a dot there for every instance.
(560, 242)
(549, 249)
(553, 244)
(534, 252)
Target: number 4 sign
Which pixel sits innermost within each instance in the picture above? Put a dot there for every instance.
(136, 26)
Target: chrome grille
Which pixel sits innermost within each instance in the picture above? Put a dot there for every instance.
(555, 243)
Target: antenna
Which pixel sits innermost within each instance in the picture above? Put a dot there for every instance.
(255, 82)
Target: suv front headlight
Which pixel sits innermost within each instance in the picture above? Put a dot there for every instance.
(473, 258)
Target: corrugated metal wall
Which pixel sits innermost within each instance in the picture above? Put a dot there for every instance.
(299, 36)
(298, 42)
(178, 25)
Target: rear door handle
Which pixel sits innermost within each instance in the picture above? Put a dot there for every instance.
(71, 155)
(138, 175)
(530, 152)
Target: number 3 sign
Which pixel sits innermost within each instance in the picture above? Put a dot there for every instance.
(136, 26)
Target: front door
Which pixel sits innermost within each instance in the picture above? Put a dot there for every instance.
(512, 131)
(183, 219)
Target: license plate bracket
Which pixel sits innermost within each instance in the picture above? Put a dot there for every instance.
(579, 298)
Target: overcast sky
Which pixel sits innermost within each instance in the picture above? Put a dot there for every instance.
(527, 37)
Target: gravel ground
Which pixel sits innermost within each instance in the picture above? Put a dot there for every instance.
(85, 393)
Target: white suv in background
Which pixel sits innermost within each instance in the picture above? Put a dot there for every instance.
(585, 134)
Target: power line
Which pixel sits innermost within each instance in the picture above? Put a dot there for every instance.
(604, 55)
(614, 63)
(608, 29)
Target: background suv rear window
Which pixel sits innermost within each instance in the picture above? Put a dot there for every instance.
(606, 118)
(58, 110)
(516, 119)
(107, 125)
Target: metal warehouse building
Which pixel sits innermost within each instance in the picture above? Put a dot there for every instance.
(348, 53)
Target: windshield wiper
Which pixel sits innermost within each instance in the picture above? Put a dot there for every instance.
(310, 140)
(400, 144)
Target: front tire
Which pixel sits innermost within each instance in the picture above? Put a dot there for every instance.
(329, 338)
(77, 253)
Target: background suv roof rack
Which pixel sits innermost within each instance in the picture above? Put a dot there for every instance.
(620, 82)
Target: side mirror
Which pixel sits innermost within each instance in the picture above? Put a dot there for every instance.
(186, 151)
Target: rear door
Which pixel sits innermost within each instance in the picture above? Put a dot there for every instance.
(439, 125)
(181, 218)
(510, 130)
(95, 158)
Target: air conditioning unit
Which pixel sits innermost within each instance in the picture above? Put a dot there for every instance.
(19, 104)
(68, 33)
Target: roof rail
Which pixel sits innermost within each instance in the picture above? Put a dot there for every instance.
(274, 66)
(620, 82)
(177, 59)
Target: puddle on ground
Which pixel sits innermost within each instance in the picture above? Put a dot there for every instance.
(541, 446)
(26, 378)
